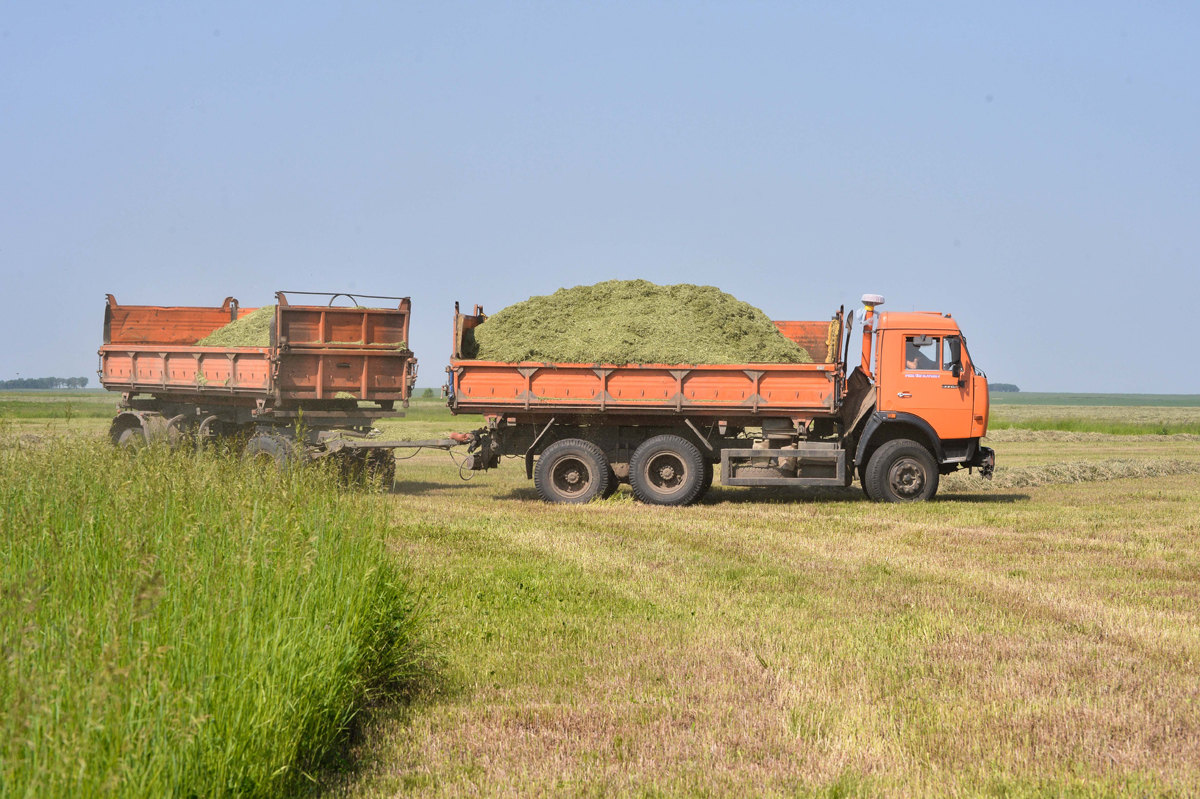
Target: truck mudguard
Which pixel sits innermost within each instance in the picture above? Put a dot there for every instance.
(881, 418)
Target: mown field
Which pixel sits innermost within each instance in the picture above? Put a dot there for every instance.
(1036, 636)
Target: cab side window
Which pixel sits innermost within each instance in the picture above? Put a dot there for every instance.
(951, 353)
(921, 353)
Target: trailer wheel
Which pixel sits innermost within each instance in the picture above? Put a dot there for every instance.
(126, 432)
(381, 465)
(901, 471)
(667, 470)
(132, 439)
(271, 447)
(572, 471)
(356, 468)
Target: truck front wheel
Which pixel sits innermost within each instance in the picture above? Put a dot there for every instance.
(667, 470)
(572, 471)
(901, 471)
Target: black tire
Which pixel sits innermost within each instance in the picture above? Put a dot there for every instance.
(614, 483)
(367, 466)
(862, 482)
(667, 470)
(274, 447)
(381, 465)
(131, 438)
(706, 482)
(572, 471)
(902, 471)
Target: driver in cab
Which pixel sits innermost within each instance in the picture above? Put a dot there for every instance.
(915, 356)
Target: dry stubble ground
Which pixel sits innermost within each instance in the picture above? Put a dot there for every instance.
(1035, 641)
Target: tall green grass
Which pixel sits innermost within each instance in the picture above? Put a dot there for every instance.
(186, 625)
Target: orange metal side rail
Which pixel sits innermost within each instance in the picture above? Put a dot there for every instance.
(152, 324)
(799, 388)
(163, 368)
(316, 352)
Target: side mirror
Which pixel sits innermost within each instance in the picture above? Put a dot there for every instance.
(956, 369)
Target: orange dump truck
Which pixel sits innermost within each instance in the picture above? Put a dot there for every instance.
(327, 375)
(913, 409)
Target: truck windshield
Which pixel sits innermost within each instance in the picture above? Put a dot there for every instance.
(966, 351)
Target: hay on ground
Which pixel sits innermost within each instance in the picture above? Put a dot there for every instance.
(632, 321)
(252, 330)
(1071, 472)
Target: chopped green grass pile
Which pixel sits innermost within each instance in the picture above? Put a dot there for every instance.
(187, 625)
(252, 330)
(632, 321)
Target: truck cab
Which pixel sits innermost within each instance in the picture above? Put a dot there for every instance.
(927, 394)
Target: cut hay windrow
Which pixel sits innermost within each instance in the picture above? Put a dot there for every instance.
(1014, 435)
(1071, 472)
(632, 321)
(252, 330)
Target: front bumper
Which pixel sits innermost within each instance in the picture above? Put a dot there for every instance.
(984, 461)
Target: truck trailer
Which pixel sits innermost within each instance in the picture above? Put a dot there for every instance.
(914, 407)
(315, 390)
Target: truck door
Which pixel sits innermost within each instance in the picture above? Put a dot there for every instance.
(920, 379)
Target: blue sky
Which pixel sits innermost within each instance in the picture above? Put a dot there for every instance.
(1033, 168)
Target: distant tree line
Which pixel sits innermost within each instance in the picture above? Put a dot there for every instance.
(45, 382)
(1003, 387)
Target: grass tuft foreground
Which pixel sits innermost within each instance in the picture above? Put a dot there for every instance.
(186, 625)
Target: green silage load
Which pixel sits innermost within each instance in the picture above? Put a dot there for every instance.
(632, 321)
(252, 330)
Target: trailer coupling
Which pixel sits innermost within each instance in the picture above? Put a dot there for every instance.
(480, 453)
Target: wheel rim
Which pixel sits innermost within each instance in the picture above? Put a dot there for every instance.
(570, 476)
(906, 478)
(667, 472)
(263, 457)
(132, 439)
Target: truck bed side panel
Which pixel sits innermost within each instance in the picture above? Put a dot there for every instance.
(487, 386)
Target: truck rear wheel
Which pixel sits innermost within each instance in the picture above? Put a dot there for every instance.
(901, 471)
(614, 483)
(706, 482)
(572, 471)
(667, 470)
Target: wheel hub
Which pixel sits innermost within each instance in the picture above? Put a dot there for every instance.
(666, 472)
(570, 476)
(907, 478)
